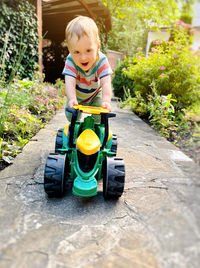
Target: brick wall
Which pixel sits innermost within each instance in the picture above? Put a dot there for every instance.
(113, 57)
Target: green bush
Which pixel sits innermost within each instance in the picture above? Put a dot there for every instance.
(18, 39)
(39, 99)
(159, 110)
(175, 70)
(60, 87)
(186, 18)
(159, 42)
(166, 84)
(120, 81)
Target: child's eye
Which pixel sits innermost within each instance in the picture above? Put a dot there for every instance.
(76, 52)
(89, 50)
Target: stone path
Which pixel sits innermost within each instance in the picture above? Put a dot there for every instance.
(156, 223)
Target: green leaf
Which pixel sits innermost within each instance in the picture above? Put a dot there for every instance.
(8, 159)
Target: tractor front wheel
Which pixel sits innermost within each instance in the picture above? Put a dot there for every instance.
(55, 175)
(113, 177)
(59, 140)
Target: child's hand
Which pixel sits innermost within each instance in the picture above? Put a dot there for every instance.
(72, 102)
(106, 105)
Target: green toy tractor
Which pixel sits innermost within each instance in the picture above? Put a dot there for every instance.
(85, 152)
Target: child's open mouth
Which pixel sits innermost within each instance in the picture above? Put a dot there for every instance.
(85, 64)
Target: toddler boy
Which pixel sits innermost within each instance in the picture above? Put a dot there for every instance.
(87, 71)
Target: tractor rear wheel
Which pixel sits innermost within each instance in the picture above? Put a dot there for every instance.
(113, 177)
(55, 175)
(114, 144)
(59, 140)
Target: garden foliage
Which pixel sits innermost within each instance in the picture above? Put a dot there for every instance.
(25, 106)
(131, 20)
(18, 39)
(166, 82)
(121, 82)
(174, 70)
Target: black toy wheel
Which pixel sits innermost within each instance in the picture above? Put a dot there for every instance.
(59, 140)
(114, 144)
(113, 177)
(55, 175)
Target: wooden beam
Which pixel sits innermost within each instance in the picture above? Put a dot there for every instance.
(83, 3)
(39, 19)
(53, 4)
(68, 9)
(98, 12)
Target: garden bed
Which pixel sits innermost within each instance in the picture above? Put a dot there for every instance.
(164, 87)
(190, 145)
(188, 141)
(26, 106)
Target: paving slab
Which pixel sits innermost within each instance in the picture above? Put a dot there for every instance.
(156, 222)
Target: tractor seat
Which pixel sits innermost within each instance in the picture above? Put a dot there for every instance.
(88, 142)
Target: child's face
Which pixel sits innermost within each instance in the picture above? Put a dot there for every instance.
(83, 51)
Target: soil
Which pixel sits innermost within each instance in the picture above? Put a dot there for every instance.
(185, 141)
(3, 165)
(192, 151)
(190, 145)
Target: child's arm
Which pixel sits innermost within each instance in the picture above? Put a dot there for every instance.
(70, 90)
(106, 92)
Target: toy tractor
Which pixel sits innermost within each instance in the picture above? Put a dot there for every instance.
(85, 152)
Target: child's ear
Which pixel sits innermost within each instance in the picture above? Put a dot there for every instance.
(98, 48)
(98, 45)
(97, 58)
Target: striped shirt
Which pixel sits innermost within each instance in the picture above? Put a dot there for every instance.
(87, 83)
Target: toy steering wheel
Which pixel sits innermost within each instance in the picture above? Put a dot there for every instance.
(91, 109)
(105, 114)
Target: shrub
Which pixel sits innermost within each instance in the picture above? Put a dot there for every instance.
(21, 123)
(159, 110)
(41, 99)
(175, 70)
(166, 83)
(138, 104)
(60, 87)
(157, 42)
(120, 81)
(18, 39)
(25, 105)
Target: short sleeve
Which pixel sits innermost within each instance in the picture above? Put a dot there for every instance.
(70, 68)
(104, 68)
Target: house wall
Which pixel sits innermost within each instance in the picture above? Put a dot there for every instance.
(196, 42)
(196, 24)
(162, 35)
(196, 19)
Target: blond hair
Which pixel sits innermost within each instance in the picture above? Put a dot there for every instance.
(80, 26)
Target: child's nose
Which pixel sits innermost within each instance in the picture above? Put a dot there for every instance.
(83, 56)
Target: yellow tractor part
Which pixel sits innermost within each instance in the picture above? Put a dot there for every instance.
(90, 109)
(88, 142)
(109, 134)
(66, 129)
